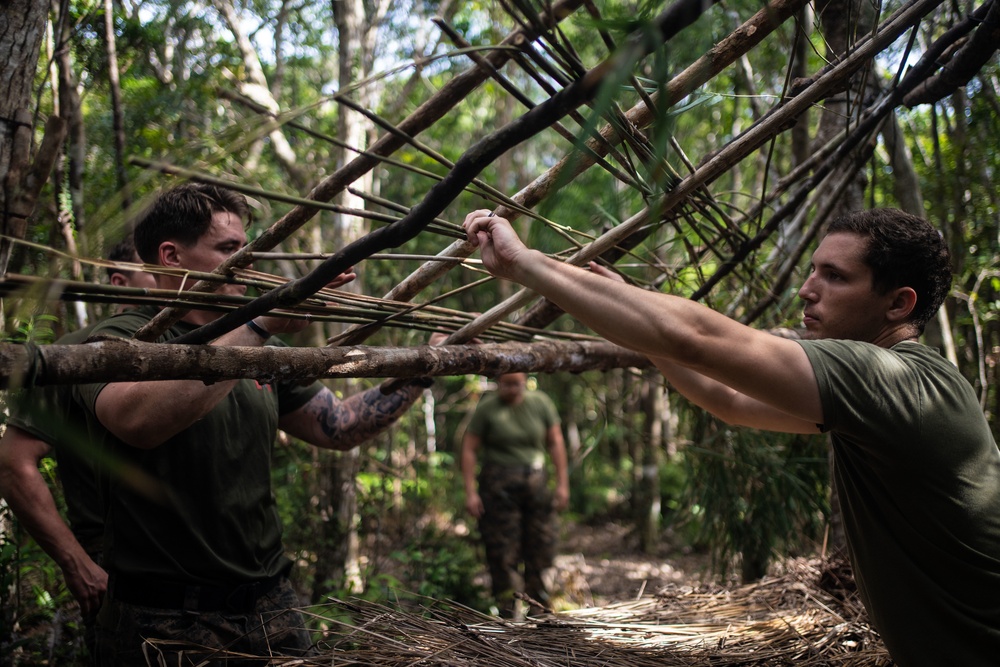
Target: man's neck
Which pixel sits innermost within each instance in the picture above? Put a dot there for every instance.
(894, 336)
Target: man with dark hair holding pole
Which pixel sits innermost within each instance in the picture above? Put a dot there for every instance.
(195, 558)
(917, 468)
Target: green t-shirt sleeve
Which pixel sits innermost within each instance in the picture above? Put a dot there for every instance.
(123, 325)
(37, 412)
(549, 413)
(866, 391)
(478, 422)
(292, 395)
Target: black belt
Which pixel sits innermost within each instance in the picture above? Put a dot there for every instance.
(149, 592)
(516, 470)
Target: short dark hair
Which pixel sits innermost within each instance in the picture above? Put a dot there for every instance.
(903, 251)
(123, 251)
(183, 214)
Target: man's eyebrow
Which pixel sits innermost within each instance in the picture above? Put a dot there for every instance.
(828, 264)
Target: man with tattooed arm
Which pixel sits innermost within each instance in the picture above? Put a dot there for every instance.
(193, 542)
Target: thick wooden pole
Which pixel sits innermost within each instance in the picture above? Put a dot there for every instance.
(114, 360)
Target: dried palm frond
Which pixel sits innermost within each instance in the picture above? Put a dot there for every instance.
(326, 305)
(793, 618)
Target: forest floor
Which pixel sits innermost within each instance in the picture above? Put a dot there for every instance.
(602, 564)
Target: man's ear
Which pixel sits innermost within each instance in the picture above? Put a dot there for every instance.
(904, 300)
(119, 280)
(168, 254)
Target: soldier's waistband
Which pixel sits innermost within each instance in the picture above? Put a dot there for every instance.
(521, 469)
(240, 598)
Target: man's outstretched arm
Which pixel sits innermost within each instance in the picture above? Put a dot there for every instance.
(728, 404)
(147, 414)
(716, 398)
(770, 370)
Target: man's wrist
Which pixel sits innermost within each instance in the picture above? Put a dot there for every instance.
(528, 265)
(263, 333)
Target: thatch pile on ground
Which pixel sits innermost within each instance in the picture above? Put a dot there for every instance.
(808, 616)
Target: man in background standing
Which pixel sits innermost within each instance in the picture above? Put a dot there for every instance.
(512, 501)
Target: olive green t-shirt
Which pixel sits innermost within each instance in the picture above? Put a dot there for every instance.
(514, 435)
(50, 414)
(198, 509)
(918, 473)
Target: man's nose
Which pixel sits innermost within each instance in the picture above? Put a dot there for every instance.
(806, 292)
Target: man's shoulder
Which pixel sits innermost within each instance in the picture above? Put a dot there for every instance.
(125, 323)
(76, 337)
(854, 368)
(904, 351)
(487, 401)
(538, 397)
(543, 405)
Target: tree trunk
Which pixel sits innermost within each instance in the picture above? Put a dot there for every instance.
(574, 446)
(958, 136)
(70, 109)
(70, 211)
(337, 487)
(117, 112)
(905, 183)
(906, 187)
(647, 505)
(254, 86)
(800, 132)
(841, 22)
(22, 27)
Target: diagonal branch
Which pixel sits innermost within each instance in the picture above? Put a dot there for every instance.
(423, 117)
(774, 123)
(967, 61)
(467, 167)
(744, 38)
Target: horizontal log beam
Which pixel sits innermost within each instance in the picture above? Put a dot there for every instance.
(118, 360)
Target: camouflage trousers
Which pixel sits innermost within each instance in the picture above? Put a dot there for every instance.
(517, 528)
(134, 635)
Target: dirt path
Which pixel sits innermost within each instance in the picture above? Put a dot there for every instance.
(598, 565)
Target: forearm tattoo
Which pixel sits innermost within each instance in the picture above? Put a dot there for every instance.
(348, 423)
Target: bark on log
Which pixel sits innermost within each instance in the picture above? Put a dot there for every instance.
(119, 360)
